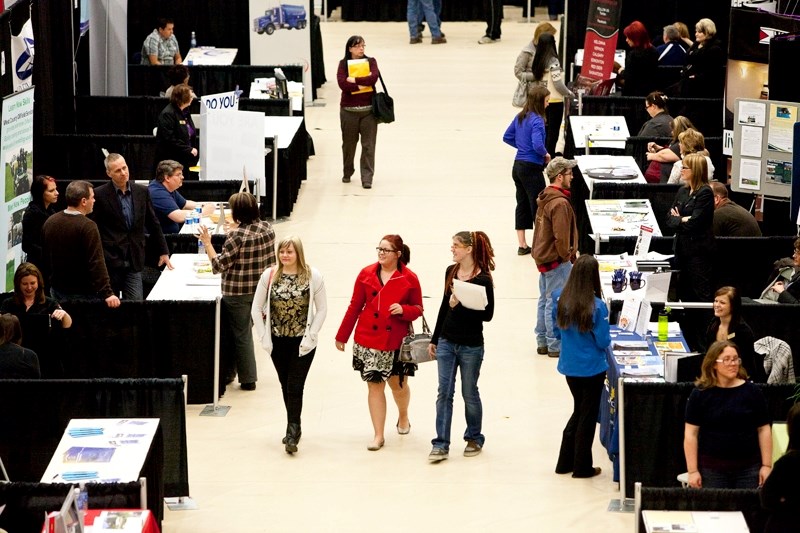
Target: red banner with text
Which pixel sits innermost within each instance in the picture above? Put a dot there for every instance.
(600, 43)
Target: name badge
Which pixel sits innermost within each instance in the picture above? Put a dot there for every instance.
(182, 122)
(731, 335)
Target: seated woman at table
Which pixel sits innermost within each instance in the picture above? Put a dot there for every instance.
(176, 134)
(581, 317)
(692, 218)
(728, 325)
(780, 494)
(667, 155)
(727, 437)
(29, 302)
(690, 141)
(789, 292)
(177, 75)
(16, 362)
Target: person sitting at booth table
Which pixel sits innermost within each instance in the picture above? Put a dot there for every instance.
(177, 75)
(728, 325)
(667, 155)
(161, 46)
(781, 492)
(16, 362)
(789, 293)
(39, 316)
(731, 219)
(170, 206)
(727, 436)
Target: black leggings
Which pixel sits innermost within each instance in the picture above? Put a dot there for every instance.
(292, 370)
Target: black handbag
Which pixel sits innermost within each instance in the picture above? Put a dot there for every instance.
(383, 104)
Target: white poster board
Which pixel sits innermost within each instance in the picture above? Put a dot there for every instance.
(101, 450)
(231, 141)
(610, 131)
(16, 149)
(280, 34)
(220, 102)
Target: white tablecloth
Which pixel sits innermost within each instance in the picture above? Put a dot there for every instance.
(183, 283)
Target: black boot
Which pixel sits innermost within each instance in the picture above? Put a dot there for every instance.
(292, 437)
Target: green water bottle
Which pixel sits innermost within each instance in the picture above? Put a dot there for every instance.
(663, 324)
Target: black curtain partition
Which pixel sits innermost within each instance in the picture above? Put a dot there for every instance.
(679, 499)
(151, 80)
(654, 422)
(27, 502)
(36, 412)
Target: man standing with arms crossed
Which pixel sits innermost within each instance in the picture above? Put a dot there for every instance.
(555, 247)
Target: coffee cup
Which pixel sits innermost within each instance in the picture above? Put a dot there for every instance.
(619, 285)
(637, 284)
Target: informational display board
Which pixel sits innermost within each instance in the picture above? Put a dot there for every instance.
(613, 130)
(101, 450)
(232, 144)
(763, 143)
(621, 217)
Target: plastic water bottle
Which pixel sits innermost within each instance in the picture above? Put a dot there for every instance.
(198, 214)
(82, 499)
(201, 248)
(193, 41)
(189, 221)
(663, 324)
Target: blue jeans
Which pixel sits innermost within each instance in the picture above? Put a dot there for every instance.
(746, 478)
(424, 9)
(449, 358)
(126, 282)
(548, 282)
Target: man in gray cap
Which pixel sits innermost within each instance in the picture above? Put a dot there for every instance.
(555, 245)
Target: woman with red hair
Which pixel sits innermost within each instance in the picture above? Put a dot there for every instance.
(638, 78)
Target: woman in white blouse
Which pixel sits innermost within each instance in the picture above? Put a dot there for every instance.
(288, 310)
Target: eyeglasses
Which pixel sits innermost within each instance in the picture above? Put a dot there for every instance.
(729, 362)
(684, 168)
(359, 45)
(454, 246)
(384, 250)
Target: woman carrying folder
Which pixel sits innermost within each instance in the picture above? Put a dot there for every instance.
(457, 341)
(357, 76)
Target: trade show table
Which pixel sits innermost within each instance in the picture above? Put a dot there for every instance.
(636, 359)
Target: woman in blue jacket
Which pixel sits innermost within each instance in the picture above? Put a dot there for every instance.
(527, 134)
(581, 318)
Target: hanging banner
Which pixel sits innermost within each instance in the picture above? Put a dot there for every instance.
(22, 57)
(602, 30)
(17, 151)
(281, 35)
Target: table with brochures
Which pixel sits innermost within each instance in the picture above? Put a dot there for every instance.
(633, 358)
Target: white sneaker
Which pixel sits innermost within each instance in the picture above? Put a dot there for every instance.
(437, 455)
(487, 40)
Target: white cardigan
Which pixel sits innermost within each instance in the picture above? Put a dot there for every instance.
(317, 310)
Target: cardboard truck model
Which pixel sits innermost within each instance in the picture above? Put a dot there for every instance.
(284, 16)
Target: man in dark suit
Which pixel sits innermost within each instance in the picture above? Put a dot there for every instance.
(124, 214)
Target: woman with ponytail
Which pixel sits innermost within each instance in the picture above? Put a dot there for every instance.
(457, 341)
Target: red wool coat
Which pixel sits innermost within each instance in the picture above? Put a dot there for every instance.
(368, 311)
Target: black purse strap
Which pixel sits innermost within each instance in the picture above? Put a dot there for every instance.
(380, 77)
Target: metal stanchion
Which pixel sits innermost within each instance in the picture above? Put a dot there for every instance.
(275, 178)
(216, 409)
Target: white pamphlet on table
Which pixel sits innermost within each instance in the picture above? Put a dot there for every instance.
(470, 295)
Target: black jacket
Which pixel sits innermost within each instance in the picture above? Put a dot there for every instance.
(173, 137)
(124, 248)
(704, 74)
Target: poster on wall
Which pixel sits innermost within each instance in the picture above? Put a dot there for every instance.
(17, 152)
(279, 35)
(781, 122)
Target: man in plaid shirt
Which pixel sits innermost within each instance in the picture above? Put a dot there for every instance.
(161, 46)
(249, 249)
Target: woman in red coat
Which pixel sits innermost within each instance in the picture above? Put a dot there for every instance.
(386, 298)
